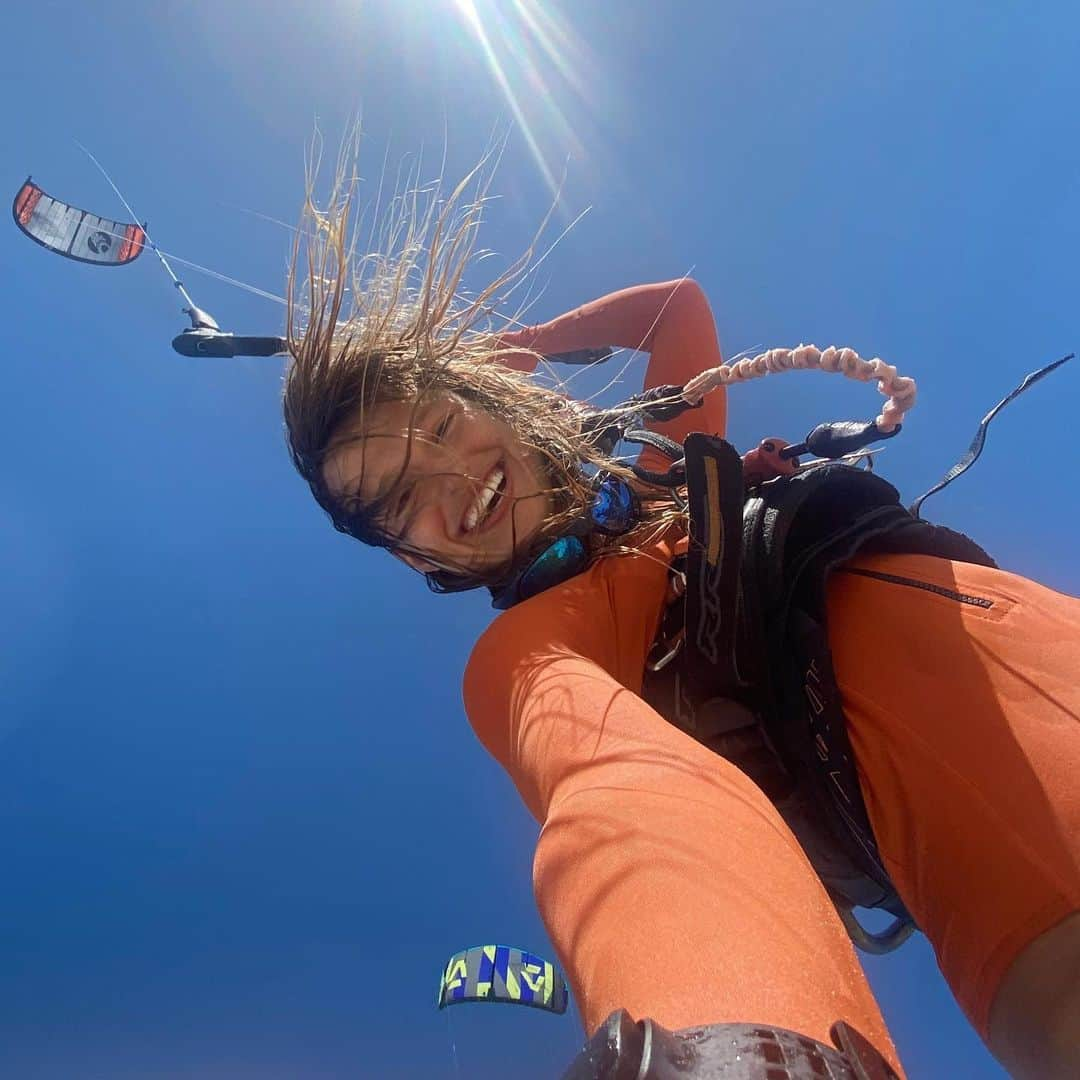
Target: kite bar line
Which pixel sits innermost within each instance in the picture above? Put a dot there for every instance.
(149, 239)
(211, 341)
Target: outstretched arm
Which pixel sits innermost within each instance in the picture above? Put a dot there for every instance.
(672, 320)
(668, 883)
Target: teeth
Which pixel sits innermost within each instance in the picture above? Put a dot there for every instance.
(479, 508)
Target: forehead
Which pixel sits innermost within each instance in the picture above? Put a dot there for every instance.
(371, 451)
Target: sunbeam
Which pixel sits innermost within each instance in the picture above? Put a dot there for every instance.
(539, 65)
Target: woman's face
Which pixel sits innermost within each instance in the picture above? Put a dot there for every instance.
(464, 491)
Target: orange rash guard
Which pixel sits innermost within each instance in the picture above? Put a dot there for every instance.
(668, 883)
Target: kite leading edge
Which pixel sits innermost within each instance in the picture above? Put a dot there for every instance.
(502, 973)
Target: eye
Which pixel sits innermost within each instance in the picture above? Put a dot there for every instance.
(401, 502)
(444, 426)
(398, 507)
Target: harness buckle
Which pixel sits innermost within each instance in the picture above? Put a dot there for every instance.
(673, 647)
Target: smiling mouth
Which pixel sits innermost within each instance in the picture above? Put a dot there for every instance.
(486, 508)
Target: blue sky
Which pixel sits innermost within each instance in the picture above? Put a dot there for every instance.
(242, 818)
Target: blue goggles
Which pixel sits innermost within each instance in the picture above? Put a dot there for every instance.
(614, 510)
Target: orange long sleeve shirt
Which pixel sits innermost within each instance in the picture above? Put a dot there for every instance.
(668, 883)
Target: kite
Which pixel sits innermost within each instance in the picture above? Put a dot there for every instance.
(86, 237)
(502, 973)
(74, 233)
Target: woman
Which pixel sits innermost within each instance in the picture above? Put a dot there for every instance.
(668, 882)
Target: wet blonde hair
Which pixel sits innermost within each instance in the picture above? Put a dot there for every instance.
(391, 324)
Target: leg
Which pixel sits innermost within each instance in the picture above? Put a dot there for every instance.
(692, 904)
(964, 713)
(669, 885)
(1035, 1017)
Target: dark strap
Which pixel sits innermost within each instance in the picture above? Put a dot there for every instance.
(658, 403)
(828, 761)
(714, 484)
(976, 447)
(581, 357)
(748, 640)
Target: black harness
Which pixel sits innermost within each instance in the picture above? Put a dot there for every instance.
(742, 660)
(753, 677)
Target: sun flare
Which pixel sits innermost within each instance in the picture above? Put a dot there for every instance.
(538, 64)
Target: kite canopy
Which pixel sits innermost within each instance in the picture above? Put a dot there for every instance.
(74, 233)
(502, 973)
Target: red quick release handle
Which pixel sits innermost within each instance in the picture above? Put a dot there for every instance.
(765, 462)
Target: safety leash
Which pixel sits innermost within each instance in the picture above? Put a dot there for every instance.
(976, 447)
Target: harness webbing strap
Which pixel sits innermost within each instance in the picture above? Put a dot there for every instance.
(715, 492)
(755, 673)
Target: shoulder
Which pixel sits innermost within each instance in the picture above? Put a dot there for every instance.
(605, 617)
(568, 619)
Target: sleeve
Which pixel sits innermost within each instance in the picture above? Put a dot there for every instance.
(668, 884)
(671, 320)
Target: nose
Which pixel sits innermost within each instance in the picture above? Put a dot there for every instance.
(443, 492)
